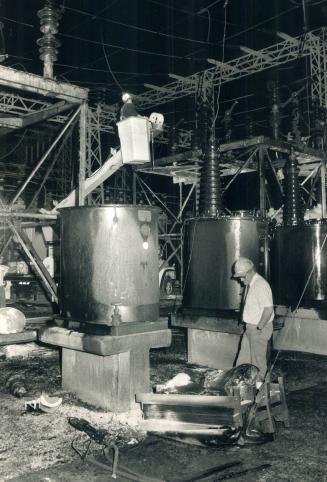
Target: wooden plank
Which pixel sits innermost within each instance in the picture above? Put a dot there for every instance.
(189, 414)
(185, 400)
(181, 427)
(23, 337)
(38, 319)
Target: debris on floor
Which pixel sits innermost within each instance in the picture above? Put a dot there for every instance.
(15, 384)
(27, 350)
(44, 403)
(34, 448)
(11, 320)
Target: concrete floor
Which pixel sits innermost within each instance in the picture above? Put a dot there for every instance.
(37, 447)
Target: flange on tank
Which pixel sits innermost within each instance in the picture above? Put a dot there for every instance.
(212, 246)
(109, 264)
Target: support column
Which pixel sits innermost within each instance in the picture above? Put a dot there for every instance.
(104, 370)
(82, 154)
(262, 177)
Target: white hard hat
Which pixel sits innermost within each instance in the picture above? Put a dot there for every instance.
(126, 96)
(241, 267)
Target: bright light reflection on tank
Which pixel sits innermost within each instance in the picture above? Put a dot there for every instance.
(237, 224)
(318, 263)
(145, 245)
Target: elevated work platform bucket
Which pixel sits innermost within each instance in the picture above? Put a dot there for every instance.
(134, 134)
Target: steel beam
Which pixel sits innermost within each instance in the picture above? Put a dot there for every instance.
(245, 65)
(39, 85)
(36, 261)
(82, 154)
(39, 164)
(11, 123)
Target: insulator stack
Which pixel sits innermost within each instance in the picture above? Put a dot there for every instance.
(275, 112)
(249, 127)
(210, 188)
(296, 119)
(319, 121)
(100, 95)
(49, 19)
(195, 142)
(293, 212)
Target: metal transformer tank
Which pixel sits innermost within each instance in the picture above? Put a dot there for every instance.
(212, 246)
(109, 264)
(299, 263)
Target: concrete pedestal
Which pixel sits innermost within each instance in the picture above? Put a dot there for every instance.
(103, 370)
(212, 341)
(304, 330)
(212, 348)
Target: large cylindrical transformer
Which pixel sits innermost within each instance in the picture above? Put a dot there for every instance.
(109, 264)
(299, 264)
(211, 247)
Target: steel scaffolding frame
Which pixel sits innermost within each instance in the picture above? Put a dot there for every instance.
(25, 112)
(290, 49)
(312, 45)
(94, 121)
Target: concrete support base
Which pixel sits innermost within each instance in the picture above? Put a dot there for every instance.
(304, 331)
(103, 370)
(109, 382)
(212, 348)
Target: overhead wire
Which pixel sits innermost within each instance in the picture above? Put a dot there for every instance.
(262, 23)
(253, 27)
(18, 22)
(93, 16)
(108, 64)
(140, 51)
(141, 29)
(220, 79)
(15, 147)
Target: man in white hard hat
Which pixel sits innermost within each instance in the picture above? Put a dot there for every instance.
(128, 109)
(257, 314)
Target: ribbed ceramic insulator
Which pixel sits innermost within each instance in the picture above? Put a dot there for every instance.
(210, 188)
(293, 212)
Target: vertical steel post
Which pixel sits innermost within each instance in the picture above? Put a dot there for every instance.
(134, 186)
(262, 177)
(82, 154)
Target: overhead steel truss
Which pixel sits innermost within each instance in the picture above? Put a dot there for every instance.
(102, 119)
(312, 44)
(26, 112)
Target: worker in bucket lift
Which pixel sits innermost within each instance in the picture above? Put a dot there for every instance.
(128, 109)
(257, 314)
